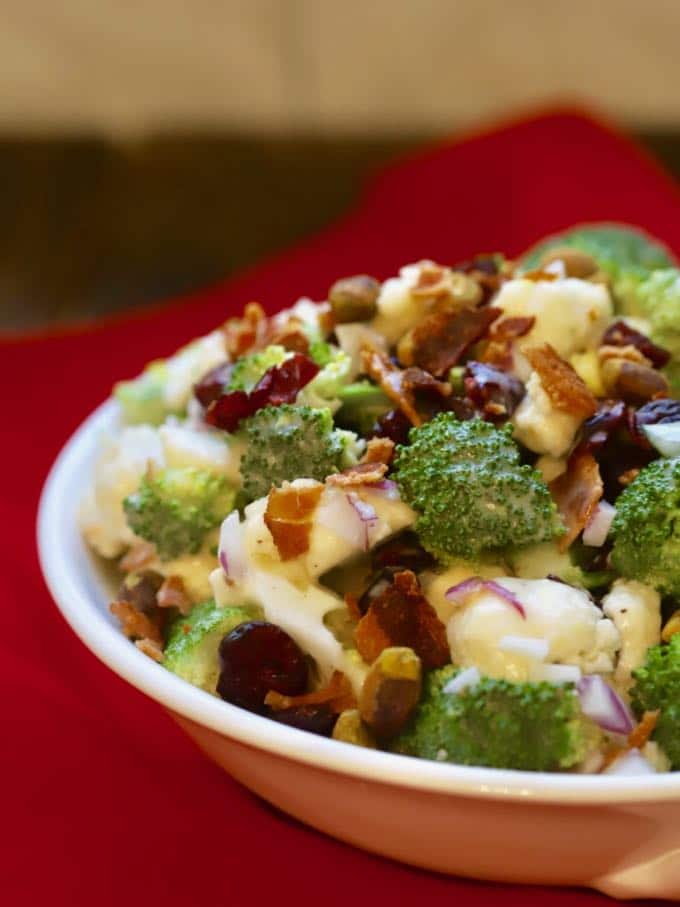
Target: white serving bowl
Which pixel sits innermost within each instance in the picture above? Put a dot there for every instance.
(618, 834)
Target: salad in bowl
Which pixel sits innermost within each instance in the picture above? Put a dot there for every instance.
(433, 515)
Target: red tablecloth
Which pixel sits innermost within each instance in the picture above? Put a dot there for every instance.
(104, 802)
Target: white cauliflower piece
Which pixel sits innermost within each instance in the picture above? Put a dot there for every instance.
(564, 617)
(539, 425)
(435, 585)
(635, 610)
(184, 445)
(188, 366)
(123, 461)
(398, 309)
(571, 315)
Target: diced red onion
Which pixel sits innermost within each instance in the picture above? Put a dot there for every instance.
(631, 762)
(461, 591)
(464, 680)
(386, 488)
(598, 526)
(530, 646)
(603, 705)
(336, 513)
(231, 552)
(367, 515)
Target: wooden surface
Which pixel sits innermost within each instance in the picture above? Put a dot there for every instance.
(88, 227)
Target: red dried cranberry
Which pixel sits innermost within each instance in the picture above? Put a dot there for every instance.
(656, 412)
(596, 431)
(279, 384)
(213, 384)
(621, 334)
(393, 425)
(317, 719)
(257, 657)
(403, 551)
(496, 393)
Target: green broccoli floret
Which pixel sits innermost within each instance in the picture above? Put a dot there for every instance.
(322, 352)
(175, 508)
(657, 686)
(142, 400)
(471, 493)
(249, 369)
(615, 247)
(646, 528)
(193, 641)
(292, 442)
(362, 404)
(531, 726)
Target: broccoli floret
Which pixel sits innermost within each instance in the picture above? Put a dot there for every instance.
(471, 493)
(646, 529)
(323, 391)
(616, 248)
(142, 400)
(321, 352)
(292, 442)
(532, 726)
(175, 508)
(193, 641)
(657, 686)
(249, 369)
(362, 404)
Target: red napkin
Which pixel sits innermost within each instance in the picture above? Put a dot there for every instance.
(104, 801)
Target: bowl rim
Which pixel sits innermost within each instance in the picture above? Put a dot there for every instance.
(79, 610)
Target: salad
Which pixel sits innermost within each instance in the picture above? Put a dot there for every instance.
(435, 515)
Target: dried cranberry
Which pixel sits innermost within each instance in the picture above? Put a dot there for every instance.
(656, 412)
(403, 551)
(616, 462)
(600, 427)
(621, 334)
(394, 425)
(462, 407)
(496, 393)
(317, 719)
(213, 384)
(257, 657)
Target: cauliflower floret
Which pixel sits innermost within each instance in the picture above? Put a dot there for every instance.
(636, 612)
(571, 315)
(435, 585)
(564, 617)
(539, 425)
(188, 366)
(184, 445)
(398, 310)
(121, 464)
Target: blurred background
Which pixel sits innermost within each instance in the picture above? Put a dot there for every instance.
(147, 150)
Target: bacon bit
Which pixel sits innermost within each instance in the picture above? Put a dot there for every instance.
(502, 335)
(288, 517)
(352, 603)
(440, 340)
(279, 384)
(637, 738)
(433, 281)
(134, 624)
(337, 694)
(576, 493)
(172, 594)
(629, 353)
(623, 336)
(247, 333)
(378, 450)
(627, 477)
(369, 473)
(292, 338)
(139, 555)
(671, 627)
(390, 378)
(402, 616)
(540, 274)
(565, 388)
(151, 648)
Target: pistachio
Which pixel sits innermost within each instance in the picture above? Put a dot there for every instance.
(351, 729)
(576, 263)
(632, 382)
(354, 298)
(465, 291)
(391, 691)
(672, 627)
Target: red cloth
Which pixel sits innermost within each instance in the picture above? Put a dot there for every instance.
(104, 802)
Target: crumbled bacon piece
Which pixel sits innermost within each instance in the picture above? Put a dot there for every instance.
(151, 648)
(402, 616)
(379, 450)
(643, 730)
(440, 340)
(626, 477)
(289, 515)
(337, 694)
(291, 338)
(138, 556)
(576, 492)
(565, 388)
(172, 594)
(502, 335)
(134, 624)
(247, 333)
(630, 353)
(279, 384)
(390, 378)
(368, 473)
(538, 275)
(620, 334)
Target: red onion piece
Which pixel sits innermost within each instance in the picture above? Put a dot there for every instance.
(231, 553)
(336, 513)
(630, 763)
(386, 488)
(603, 705)
(598, 526)
(367, 515)
(461, 591)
